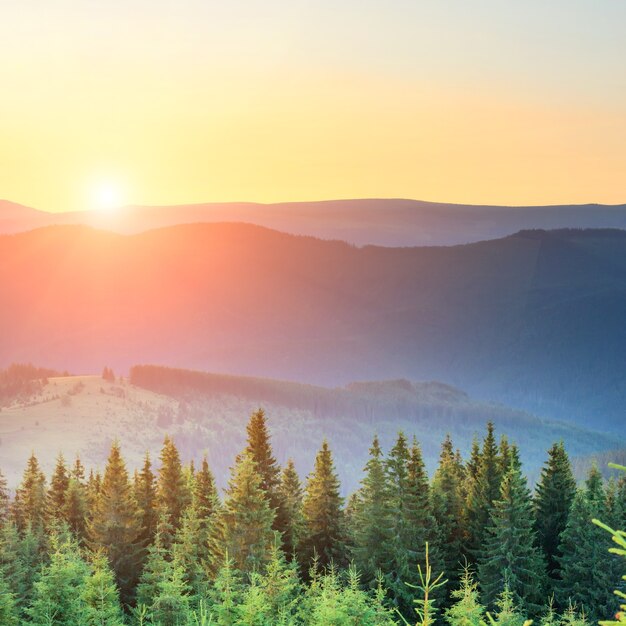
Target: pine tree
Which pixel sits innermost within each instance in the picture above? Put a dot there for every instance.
(100, 603)
(324, 532)
(484, 491)
(507, 613)
(372, 521)
(511, 558)
(114, 526)
(146, 498)
(588, 573)
(246, 517)
(29, 507)
(58, 488)
(291, 517)
(156, 568)
(553, 499)
(172, 491)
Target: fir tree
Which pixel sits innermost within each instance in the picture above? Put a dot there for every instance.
(511, 558)
(246, 518)
(324, 532)
(114, 526)
(171, 606)
(553, 499)
(291, 517)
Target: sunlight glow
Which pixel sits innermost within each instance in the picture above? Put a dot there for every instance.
(107, 196)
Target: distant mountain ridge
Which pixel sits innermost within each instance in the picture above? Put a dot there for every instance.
(386, 222)
(534, 320)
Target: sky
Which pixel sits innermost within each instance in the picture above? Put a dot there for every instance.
(162, 102)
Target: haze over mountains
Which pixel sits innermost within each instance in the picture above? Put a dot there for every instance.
(534, 319)
(387, 222)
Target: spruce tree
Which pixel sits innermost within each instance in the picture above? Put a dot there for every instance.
(146, 498)
(9, 615)
(57, 592)
(29, 507)
(78, 470)
(483, 492)
(291, 517)
(4, 499)
(372, 520)
(588, 573)
(553, 499)
(172, 490)
(466, 609)
(205, 498)
(75, 508)
(511, 558)
(260, 449)
(246, 518)
(58, 489)
(324, 531)
(99, 595)
(448, 510)
(114, 526)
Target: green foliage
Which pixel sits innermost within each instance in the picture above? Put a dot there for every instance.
(172, 489)
(587, 572)
(100, 596)
(511, 563)
(324, 532)
(114, 525)
(466, 609)
(246, 518)
(57, 592)
(291, 522)
(553, 500)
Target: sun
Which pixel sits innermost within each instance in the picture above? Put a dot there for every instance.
(107, 196)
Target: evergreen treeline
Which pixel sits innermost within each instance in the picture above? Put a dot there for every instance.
(162, 548)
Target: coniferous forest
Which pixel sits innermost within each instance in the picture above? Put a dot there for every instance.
(470, 545)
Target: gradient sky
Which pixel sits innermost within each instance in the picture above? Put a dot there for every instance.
(502, 102)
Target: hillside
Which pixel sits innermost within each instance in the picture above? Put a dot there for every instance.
(386, 222)
(207, 413)
(534, 320)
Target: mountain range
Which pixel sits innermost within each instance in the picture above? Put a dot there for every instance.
(535, 319)
(385, 222)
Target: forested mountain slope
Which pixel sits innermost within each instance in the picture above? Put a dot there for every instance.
(534, 320)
